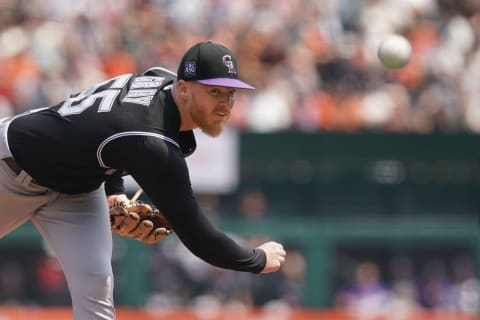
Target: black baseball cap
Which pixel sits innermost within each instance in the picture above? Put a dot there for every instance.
(211, 64)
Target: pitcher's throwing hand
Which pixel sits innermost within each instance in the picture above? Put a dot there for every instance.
(275, 255)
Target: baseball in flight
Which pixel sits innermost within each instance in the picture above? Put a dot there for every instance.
(394, 51)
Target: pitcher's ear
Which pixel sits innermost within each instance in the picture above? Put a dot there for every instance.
(182, 87)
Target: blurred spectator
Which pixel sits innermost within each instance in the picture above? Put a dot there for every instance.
(6, 108)
(435, 287)
(367, 296)
(12, 283)
(252, 204)
(294, 271)
(466, 285)
(404, 297)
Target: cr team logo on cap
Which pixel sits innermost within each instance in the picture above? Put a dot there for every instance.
(228, 62)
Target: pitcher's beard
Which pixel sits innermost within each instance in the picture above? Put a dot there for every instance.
(213, 129)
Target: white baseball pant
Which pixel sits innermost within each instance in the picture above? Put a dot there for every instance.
(76, 227)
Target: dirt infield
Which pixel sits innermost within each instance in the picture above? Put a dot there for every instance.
(39, 313)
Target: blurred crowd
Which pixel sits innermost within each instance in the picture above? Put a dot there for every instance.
(366, 289)
(178, 279)
(314, 62)
(439, 284)
(390, 286)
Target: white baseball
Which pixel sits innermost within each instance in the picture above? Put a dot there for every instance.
(394, 51)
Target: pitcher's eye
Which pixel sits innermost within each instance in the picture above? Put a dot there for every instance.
(215, 92)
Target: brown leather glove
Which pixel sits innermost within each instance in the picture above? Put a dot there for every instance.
(139, 221)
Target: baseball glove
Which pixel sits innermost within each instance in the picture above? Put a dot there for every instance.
(139, 221)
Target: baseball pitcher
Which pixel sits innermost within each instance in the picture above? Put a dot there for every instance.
(61, 167)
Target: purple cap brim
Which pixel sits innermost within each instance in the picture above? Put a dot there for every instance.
(226, 82)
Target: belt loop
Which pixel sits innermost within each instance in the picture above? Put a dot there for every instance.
(23, 178)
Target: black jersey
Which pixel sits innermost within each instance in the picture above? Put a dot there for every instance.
(72, 140)
(126, 125)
